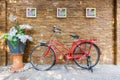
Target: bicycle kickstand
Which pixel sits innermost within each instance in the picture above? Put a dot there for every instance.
(91, 69)
(89, 63)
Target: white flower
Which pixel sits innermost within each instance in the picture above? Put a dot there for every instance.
(25, 26)
(12, 33)
(23, 38)
(29, 37)
(12, 17)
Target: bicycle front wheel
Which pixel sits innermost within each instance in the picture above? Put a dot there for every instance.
(86, 61)
(42, 57)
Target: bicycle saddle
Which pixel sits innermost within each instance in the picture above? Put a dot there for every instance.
(42, 43)
(75, 36)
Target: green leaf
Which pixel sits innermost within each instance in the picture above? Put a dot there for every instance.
(14, 39)
(5, 36)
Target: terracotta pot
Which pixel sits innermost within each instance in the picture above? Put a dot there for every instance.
(17, 60)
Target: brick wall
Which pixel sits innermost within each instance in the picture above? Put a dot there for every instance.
(100, 27)
(118, 32)
(2, 30)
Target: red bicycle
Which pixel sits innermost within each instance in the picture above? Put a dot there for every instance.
(85, 53)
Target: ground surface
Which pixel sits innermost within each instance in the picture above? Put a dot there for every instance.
(59, 72)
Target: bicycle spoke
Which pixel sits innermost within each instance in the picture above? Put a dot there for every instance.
(86, 49)
(41, 59)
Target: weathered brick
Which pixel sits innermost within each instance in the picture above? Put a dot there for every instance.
(100, 27)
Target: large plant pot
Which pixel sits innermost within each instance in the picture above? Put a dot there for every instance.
(17, 55)
(17, 62)
(17, 48)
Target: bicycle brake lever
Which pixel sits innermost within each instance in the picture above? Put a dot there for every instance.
(56, 28)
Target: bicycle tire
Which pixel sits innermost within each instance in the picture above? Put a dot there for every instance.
(83, 61)
(39, 60)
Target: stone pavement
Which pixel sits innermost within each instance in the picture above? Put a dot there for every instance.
(58, 72)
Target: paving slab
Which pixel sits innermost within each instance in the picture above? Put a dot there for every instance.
(59, 72)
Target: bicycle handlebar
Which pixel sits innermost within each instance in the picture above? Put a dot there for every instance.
(56, 29)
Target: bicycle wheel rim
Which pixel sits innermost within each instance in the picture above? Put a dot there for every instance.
(94, 55)
(40, 61)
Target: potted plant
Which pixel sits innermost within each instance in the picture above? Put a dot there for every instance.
(16, 40)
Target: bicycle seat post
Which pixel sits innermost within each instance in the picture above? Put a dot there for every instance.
(52, 36)
(55, 31)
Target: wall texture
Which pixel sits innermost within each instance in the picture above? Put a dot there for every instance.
(2, 30)
(100, 27)
(118, 32)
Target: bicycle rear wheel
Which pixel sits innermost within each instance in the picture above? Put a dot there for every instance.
(86, 61)
(42, 57)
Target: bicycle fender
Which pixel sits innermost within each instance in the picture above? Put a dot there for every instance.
(77, 43)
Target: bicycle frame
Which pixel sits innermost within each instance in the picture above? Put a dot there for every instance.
(54, 44)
